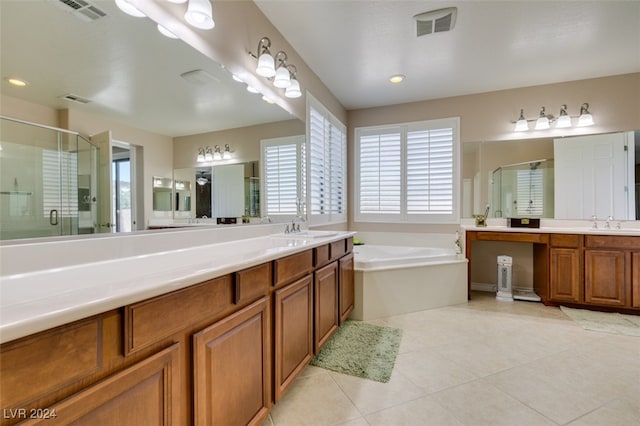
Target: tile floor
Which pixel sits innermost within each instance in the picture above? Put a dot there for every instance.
(481, 363)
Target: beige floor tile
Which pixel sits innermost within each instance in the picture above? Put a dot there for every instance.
(619, 412)
(481, 363)
(420, 412)
(315, 400)
(431, 371)
(480, 403)
(369, 396)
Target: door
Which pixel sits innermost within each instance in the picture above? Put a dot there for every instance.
(565, 274)
(123, 194)
(103, 140)
(604, 279)
(347, 289)
(591, 177)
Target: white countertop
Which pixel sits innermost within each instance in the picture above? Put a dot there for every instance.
(553, 226)
(37, 300)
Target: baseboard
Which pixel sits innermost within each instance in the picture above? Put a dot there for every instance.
(491, 288)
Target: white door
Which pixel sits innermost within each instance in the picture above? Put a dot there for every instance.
(591, 177)
(103, 140)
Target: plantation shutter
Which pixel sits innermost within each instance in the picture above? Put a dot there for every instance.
(430, 171)
(380, 173)
(281, 179)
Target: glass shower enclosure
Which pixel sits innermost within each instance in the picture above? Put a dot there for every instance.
(48, 181)
(523, 189)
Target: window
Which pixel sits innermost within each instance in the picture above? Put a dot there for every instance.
(408, 172)
(283, 174)
(327, 160)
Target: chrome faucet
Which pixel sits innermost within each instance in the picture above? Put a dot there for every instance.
(607, 225)
(595, 221)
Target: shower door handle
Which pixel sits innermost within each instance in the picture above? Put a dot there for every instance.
(53, 217)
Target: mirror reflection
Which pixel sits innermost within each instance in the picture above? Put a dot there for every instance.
(227, 193)
(539, 177)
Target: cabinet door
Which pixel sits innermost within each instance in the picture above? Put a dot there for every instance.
(635, 279)
(565, 275)
(231, 369)
(293, 307)
(604, 281)
(143, 394)
(347, 295)
(326, 304)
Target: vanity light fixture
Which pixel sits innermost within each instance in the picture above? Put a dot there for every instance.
(585, 119)
(226, 155)
(129, 9)
(284, 76)
(542, 123)
(200, 156)
(293, 91)
(217, 155)
(204, 155)
(266, 64)
(564, 120)
(522, 124)
(200, 14)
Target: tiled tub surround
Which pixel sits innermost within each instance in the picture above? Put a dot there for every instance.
(47, 284)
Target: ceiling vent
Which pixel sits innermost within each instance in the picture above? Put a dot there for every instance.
(436, 21)
(75, 98)
(81, 9)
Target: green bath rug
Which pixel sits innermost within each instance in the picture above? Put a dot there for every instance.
(361, 350)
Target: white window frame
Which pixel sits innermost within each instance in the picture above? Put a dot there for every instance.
(403, 216)
(299, 141)
(335, 171)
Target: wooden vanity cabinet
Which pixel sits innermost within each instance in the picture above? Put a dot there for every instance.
(145, 393)
(218, 352)
(293, 332)
(608, 270)
(325, 304)
(231, 369)
(347, 287)
(565, 268)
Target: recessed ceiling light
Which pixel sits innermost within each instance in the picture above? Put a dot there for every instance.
(395, 79)
(17, 82)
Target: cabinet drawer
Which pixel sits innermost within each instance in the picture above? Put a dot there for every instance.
(338, 249)
(152, 320)
(349, 244)
(43, 363)
(252, 283)
(321, 255)
(614, 242)
(520, 237)
(566, 240)
(292, 267)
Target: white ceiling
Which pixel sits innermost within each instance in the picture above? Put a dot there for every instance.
(132, 74)
(355, 46)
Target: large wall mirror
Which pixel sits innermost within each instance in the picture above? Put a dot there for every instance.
(132, 75)
(550, 178)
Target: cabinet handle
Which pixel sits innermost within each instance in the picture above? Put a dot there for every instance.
(53, 217)
(236, 289)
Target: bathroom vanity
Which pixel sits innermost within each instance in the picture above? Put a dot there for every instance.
(221, 350)
(577, 267)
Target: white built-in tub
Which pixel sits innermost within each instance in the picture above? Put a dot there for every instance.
(393, 280)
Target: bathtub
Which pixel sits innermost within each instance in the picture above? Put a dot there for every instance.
(394, 280)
